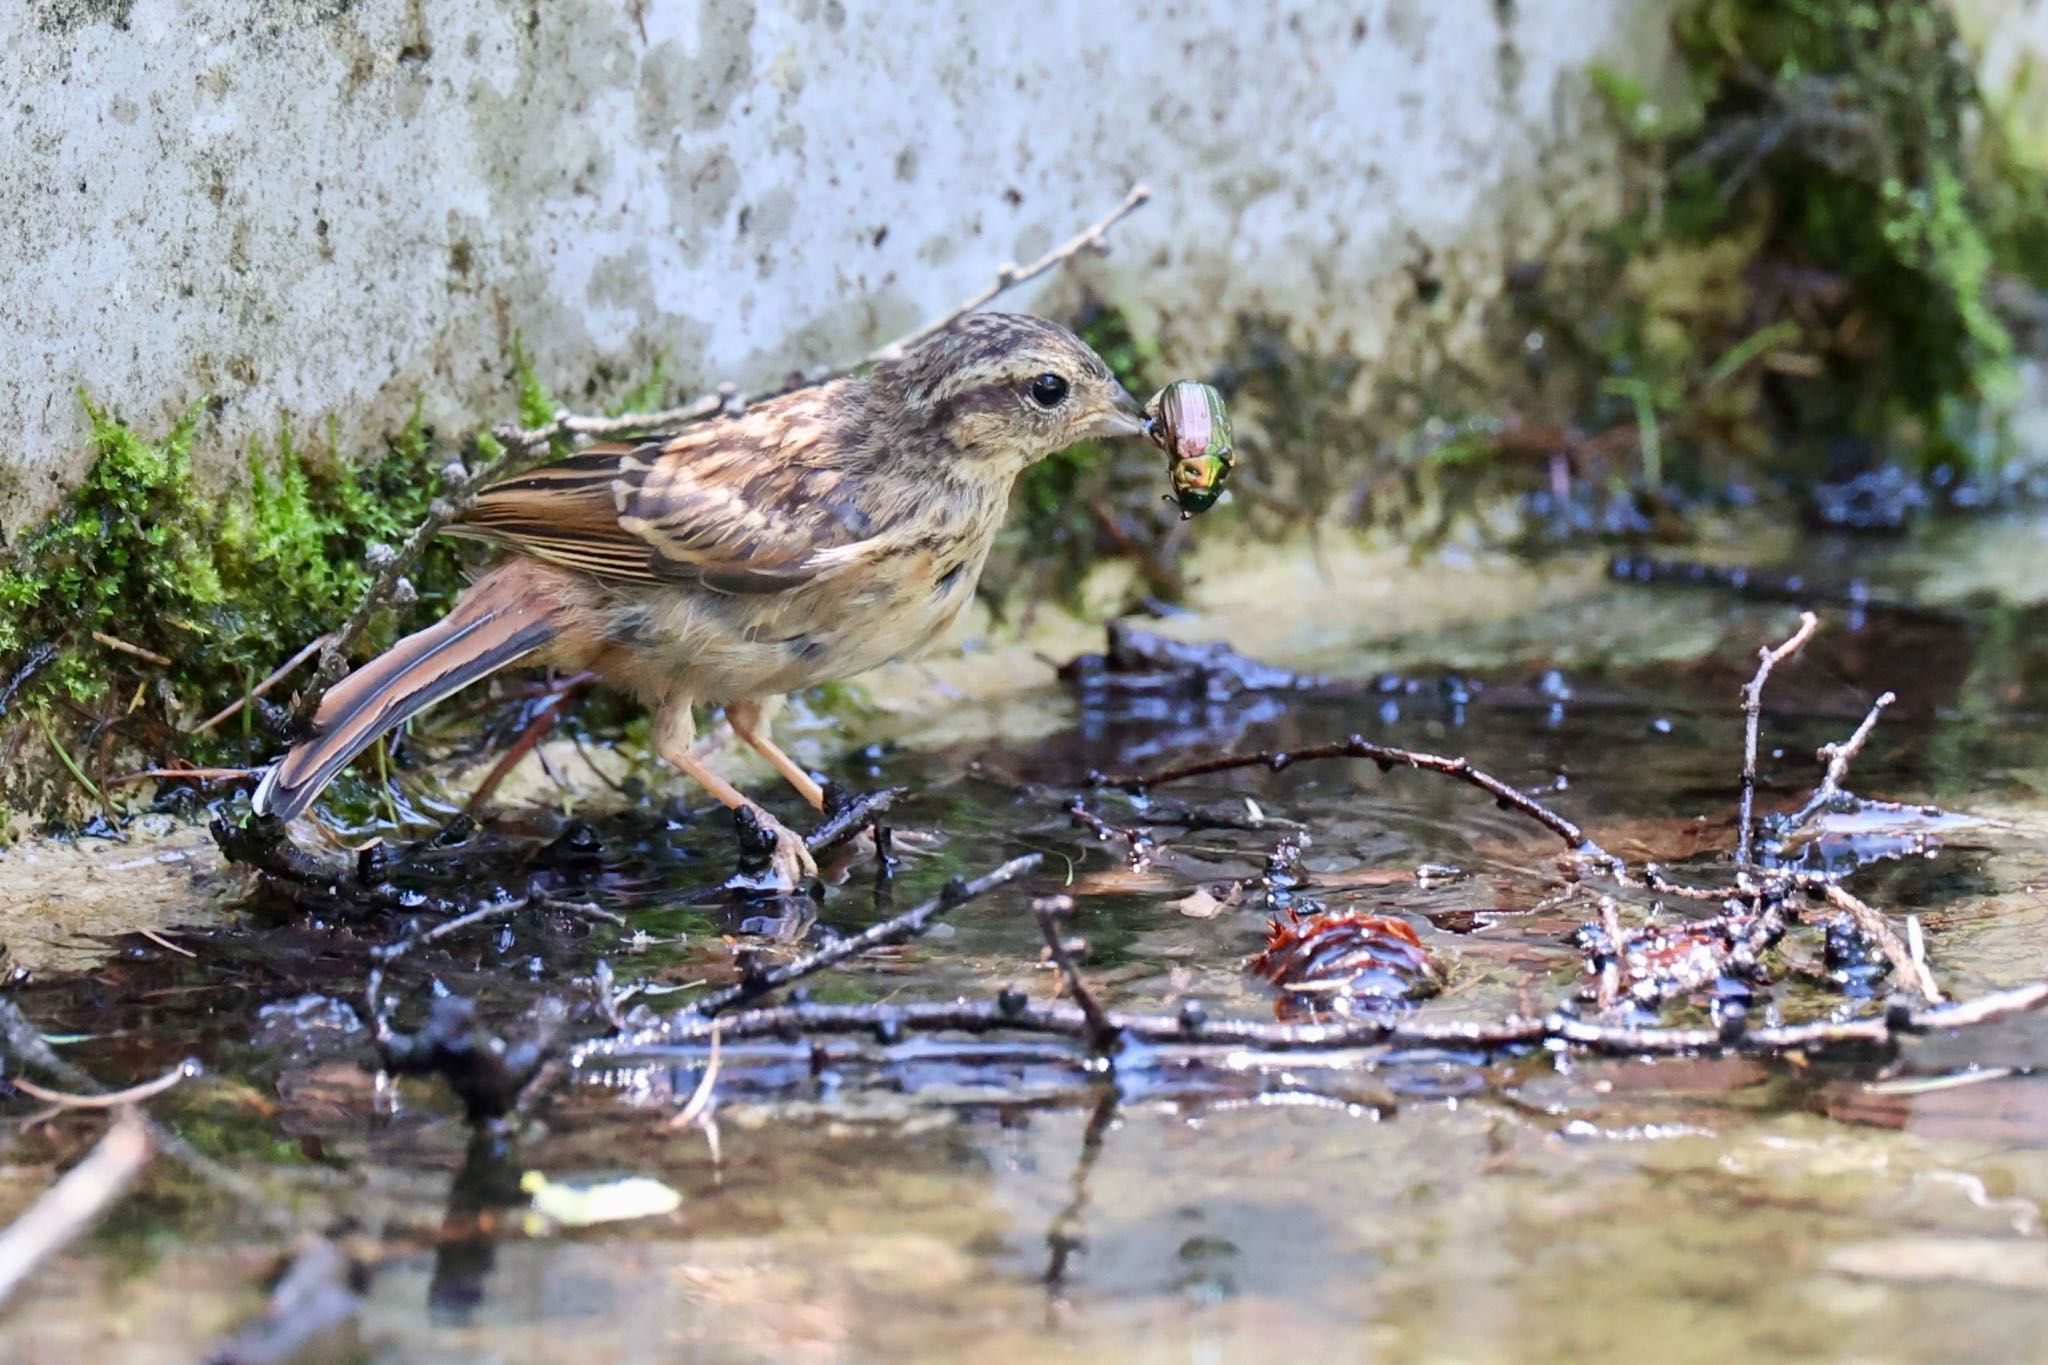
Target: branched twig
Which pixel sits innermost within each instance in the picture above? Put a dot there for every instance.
(1753, 710)
(907, 925)
(1387, 758)
(1837, 757)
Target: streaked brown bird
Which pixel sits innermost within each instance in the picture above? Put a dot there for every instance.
(821, 534)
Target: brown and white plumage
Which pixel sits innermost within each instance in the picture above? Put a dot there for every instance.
(821, 534)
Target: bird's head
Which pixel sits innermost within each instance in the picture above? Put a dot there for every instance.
(1006, 390)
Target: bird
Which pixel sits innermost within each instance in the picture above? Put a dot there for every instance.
(815, 536)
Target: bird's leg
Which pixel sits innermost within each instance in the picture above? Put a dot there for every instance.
(750, 720)
(674, 731)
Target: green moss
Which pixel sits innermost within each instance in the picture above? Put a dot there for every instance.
(537, 406)
(224, 587)
(1829, 146)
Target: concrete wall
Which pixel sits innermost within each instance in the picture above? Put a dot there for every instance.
(317, 208)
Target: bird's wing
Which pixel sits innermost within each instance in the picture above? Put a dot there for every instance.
(756, 504)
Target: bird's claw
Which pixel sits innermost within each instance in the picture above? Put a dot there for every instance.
(773, 857)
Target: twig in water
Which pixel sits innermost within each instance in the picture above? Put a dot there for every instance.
(907, 925)
(1610, 963)
(1906, 968)
(698, 1109)
(112, 1099)
(75, 1202)
(1010, 1013)
(545, 718)
(851, 816)
(1837, 757)
(1387, 757)
(1753, 710)
(1137, 839)
(278, 675)
(391, 952)
(25, 1047)
(1102, 1034)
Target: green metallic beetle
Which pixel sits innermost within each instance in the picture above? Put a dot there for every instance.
(1187, 420)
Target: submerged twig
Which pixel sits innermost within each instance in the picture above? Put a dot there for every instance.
(1768, 658)
(72, 1205)
(907, 925)
(112, 1099)
(1010, 1013)
(25, 1046)
(1050, 910)
(1906, 967)
(1388, 758)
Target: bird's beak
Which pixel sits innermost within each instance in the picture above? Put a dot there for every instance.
(1123, 417)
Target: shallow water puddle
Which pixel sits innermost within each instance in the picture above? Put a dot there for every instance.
(924, 1195)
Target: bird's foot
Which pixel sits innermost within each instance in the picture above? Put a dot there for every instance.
(773, 857)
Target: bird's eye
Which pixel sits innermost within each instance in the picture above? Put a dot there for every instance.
(1048, 391)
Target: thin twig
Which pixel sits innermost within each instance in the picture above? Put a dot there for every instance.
(1387, 757)
(180, 775)
(391, 952)
(115, 643)
(75, 1202)
(112, 1099)
(545, 718)
(156, 937)
(1050, 910)
(1610, 963)
(1753, 710)
(1137, 840)
(699, 1104)
(1837, 757)
(278, 675)
(907, 925)
(1010, 1013)
(1009, 276)
(1905, 966)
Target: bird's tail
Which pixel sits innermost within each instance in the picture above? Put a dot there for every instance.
(498, 621)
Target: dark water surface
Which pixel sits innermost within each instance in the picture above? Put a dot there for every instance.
(937, 1197)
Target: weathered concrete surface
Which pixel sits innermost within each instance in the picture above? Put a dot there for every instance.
(315, 209)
